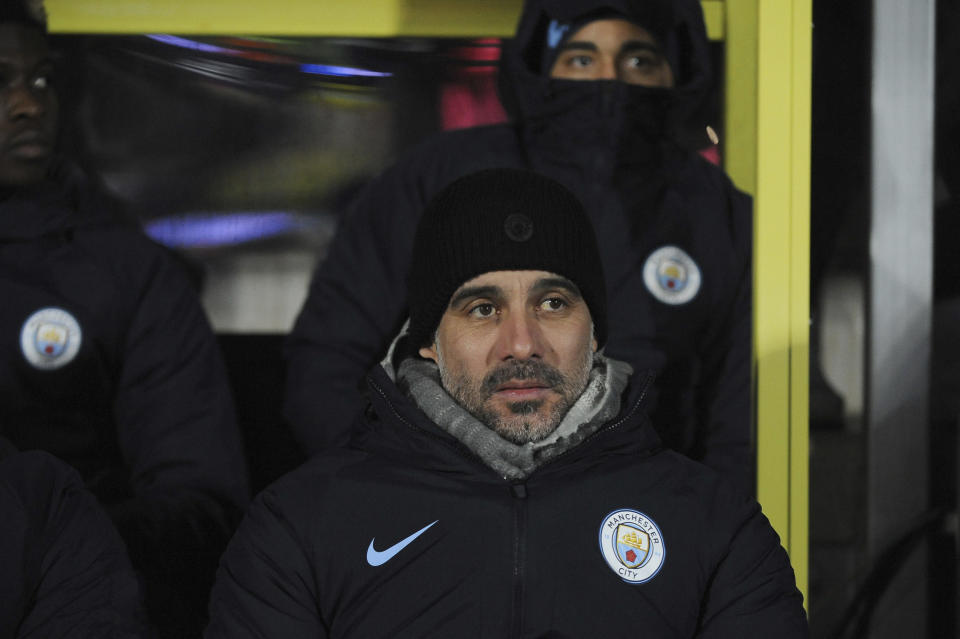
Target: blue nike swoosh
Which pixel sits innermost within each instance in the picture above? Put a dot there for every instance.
(379, 557)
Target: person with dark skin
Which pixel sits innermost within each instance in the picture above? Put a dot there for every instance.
(107, 360)
(608, 97)
(504, 480)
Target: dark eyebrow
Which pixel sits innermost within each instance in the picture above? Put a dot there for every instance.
(563, 283)
(639, 45)
(469, 292)
(578, 44)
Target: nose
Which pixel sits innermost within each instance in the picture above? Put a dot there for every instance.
(607, 69)
(521, 337)
(22, 102)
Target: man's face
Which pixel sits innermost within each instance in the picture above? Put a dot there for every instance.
(515, 349)
(28, 106)
(613, 49)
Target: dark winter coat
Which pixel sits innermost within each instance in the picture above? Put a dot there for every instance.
(406, 533)
(674, 234)
(64, 571)
(108, 362)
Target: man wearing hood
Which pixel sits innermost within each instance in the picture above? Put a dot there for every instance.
(505, 481)
(107, 360)
(608, 98)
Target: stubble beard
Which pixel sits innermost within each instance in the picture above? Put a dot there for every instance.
(525, 422)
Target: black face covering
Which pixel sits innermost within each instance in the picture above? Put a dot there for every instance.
(599, 121)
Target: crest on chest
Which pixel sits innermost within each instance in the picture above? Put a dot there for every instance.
(50, 338)
(632, 545)
(671, 275)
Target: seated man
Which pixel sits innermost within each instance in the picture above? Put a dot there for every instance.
(107, 360)
(64, 571)
(603, 96)
(507, 481)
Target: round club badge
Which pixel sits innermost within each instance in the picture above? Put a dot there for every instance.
(671, 275)
(632, 545)
(50, 338)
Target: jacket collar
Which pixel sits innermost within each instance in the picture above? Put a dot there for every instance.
(66, 200)
(395, 427)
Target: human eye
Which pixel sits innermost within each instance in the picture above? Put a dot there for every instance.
(482, 310)
(41, 81)
(641, 60)
(553, 304)
(580, 60)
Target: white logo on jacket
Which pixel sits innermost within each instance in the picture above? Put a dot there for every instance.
(50, 338)
(632, 545)
(671, 275)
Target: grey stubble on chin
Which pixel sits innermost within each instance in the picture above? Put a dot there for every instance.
(522, 425)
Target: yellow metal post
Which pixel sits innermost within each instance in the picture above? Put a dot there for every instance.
(768, 154)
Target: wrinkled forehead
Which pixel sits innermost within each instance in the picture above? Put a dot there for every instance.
(507, 283)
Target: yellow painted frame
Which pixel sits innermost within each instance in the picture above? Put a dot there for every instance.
(371, 18)
(768, 114)
(767, 149)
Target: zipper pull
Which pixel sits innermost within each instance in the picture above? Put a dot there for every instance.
(519, 490)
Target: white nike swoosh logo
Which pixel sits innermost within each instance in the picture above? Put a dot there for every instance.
(379, 557)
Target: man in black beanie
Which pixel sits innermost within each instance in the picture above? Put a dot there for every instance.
(611, 98)
(504, 481)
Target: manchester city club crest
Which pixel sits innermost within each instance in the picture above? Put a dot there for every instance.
(671, 275)
(632, 545)
(50, 338)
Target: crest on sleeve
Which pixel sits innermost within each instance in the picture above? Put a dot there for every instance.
(50, 338)
(632, 545)
(671, 275)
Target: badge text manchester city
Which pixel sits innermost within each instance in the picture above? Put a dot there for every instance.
(632, 545)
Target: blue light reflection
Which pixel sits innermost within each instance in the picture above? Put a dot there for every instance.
(208, 230)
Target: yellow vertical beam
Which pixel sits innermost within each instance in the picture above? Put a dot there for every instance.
(768, 154)
(800, 131)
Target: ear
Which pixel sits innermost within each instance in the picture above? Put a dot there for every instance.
(593, 344)
(431, 352)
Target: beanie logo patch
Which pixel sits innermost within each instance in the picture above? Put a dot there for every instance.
(671, 275)
(518, 227)
(555, 33)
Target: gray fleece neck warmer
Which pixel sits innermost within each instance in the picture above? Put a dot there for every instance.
(598, 404)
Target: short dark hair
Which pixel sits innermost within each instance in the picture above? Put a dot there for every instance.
(29, 13)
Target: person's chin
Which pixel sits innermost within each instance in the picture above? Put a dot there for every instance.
(23, 173)
(523, 422)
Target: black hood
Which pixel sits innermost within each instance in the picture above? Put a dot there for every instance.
(678, 115)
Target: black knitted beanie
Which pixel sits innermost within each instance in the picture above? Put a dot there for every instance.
(501, 220)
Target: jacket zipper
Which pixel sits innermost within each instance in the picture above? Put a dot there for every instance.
(519, 491)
